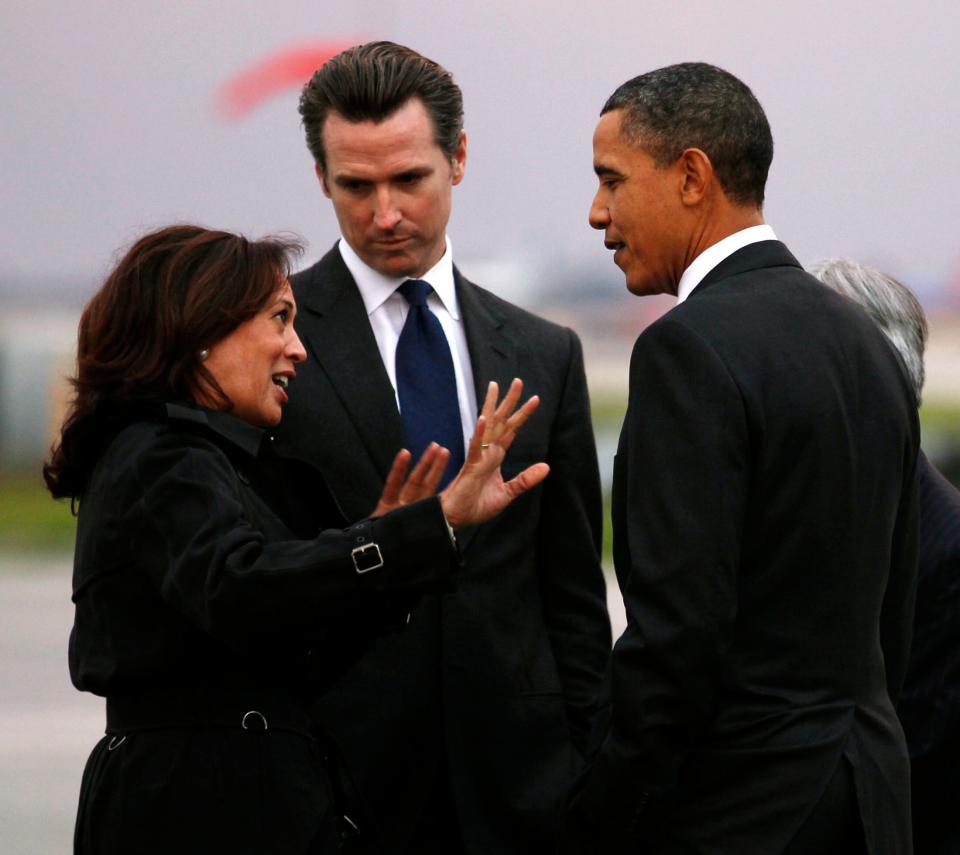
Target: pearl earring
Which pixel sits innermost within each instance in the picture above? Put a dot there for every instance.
(204, 354)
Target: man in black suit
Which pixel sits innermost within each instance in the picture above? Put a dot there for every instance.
(763, 511)
(929, 705)
(464, 730)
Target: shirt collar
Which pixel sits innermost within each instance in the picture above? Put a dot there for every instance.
(713, 255)
(241, 434)
(376, 288)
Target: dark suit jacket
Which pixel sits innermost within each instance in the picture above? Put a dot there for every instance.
(930, 705)
(763, 504)
(500, 676)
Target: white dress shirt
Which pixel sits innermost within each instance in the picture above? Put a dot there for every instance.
(713, 255)
(387, 310)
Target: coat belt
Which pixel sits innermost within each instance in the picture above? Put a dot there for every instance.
(247, 710)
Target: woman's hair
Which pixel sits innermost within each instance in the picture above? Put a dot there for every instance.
(175, 293)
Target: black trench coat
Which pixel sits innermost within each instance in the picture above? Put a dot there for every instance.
(211, 607)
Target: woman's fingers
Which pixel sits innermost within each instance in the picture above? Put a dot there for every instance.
(519, 418)
(395, 478)
(477, 441)
(509, 401)
(517, 421)
(529, 478)
(498, 423)
(490, 401)
(393, 485)
(401, 488)
(420, 471)
(496, 429)
(423, 480)
(432, 478)
(479, 492)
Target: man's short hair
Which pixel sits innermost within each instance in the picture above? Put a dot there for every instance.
(696, 105)
(890, 303)
(372, 81)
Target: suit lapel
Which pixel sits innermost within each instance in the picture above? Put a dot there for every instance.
(338, 335)
(493, 356)
(754, 256)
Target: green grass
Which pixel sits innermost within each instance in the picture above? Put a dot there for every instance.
(607, 410)
(29, 518)
(941, 416)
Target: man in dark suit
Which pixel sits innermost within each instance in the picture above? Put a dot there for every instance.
(763, 511)
(929, 705)
(464, 729)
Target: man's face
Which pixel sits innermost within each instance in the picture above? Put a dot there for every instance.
(638, 206)
(391, 185)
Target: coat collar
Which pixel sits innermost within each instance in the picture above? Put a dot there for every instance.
(113, 415)
(754, 256)
(239, 433)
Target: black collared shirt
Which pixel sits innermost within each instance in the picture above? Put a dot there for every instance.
(192, 568)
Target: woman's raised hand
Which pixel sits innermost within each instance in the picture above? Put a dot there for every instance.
(479, 492)
(402, 489)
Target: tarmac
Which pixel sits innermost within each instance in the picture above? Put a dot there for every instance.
(47, 728)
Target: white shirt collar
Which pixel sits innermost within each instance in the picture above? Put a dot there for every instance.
(713, 255)
(376, 288)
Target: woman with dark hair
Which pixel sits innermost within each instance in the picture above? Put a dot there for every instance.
(218, 588)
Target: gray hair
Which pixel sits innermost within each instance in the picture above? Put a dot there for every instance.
(890, 303)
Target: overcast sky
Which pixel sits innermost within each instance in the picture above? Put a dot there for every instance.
(110, 128)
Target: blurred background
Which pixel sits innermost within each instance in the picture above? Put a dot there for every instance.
(119, 117)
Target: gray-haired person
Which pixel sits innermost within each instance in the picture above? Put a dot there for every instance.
(930, 703)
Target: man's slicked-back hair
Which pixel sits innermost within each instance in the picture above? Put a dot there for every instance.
(890, 303)
(372, 81)
(697, 105)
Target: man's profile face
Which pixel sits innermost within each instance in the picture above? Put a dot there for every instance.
(637, 205)
(391, 186)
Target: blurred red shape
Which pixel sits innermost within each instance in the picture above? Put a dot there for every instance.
(286, 68)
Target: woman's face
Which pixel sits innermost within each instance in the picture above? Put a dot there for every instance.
(254, 364)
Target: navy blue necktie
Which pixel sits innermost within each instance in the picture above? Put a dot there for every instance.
(426, 383)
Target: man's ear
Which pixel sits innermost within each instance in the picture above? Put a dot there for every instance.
(323, 180)
(697, 176)
(458, 163)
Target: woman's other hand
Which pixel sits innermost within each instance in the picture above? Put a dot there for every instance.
(402, 489)
(479, 493)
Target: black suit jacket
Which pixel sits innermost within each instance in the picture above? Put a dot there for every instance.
(930, 705)
(500, 676)
(763, 505)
